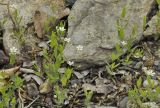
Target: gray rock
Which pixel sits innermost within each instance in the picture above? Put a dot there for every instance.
(92, 24)
(152, 30)
(123, 103)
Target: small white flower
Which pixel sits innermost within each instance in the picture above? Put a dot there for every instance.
(55, 96)
(123, 43)
(62, 29)
(70, 63)
(67, 39)
(14, 6)
(148, 71)
(14, 50)
(79, 47)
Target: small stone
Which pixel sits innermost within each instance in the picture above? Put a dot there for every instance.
(43, 45)
(78, 75)
(123, 103)
(28, 63)
(32, 90)
(122, 72)
(66, 102)
(25, 70)
(156, 63)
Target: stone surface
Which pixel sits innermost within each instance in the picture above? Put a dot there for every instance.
(70, 2)
(123, 103)
(153, 29)
(27, 11)
(92, 24)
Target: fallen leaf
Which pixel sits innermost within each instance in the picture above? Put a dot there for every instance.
(39, 21)
(9, 72)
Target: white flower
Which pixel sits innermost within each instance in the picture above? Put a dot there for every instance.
(70, 63)
(79, 47)
(14, 6)
(67, 39)
(148, 71)
(14, 50)
(62, 29)
(123, 43)
(55, 96)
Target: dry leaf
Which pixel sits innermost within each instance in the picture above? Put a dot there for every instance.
(9, 72)
(39, 20)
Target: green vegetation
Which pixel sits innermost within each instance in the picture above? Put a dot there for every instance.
(18, 30)
(7, 90)
(54, 61)
(139, 94)
(88, 95)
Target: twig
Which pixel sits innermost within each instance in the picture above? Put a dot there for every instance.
(22, 102)
(32, 102)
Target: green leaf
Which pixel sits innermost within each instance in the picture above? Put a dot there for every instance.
(114, 56)
(66, 76)
(144, 22)
(139, 82)
(123, 13)
(158, 1)
(121, 33)
(118, 48)
(134, 30)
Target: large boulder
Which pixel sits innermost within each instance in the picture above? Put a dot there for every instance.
(92, 24)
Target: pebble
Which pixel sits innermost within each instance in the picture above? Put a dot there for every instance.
(123, 102)
(43, 45)
(156, 63)
(25, 70)
(28, 63)
(32, 90)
